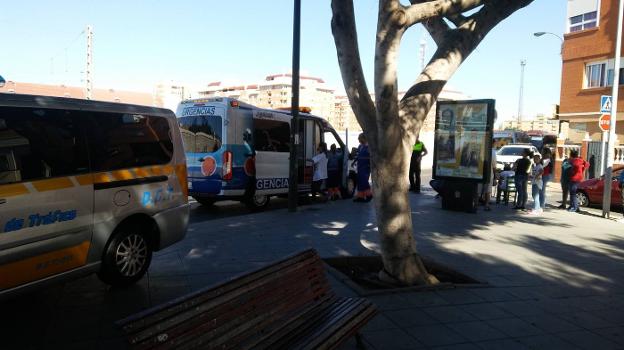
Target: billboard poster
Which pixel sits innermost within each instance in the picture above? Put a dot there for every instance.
(463, 140)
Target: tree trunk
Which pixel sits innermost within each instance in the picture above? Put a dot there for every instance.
(390, 156)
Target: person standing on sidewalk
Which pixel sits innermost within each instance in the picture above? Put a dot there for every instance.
(577, 171)
(320, 169)
(565, 182)
(333, 173)
(537, 171)
(621, 184)
(522, 169)
(548, 164)
(363, 193)
(418, 152)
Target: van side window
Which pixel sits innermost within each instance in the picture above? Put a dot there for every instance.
(120, 141)
(271, 135)
(37, 143)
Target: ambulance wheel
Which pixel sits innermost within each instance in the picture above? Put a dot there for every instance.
(127, 256)
(205, 201)
(257, 202)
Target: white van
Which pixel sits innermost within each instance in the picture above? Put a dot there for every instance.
(237, 151)
(86, 187)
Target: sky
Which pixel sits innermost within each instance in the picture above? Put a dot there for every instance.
(139, 43)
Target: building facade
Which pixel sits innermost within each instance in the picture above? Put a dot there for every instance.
(109, 95)
(541, 122)
(588, 67)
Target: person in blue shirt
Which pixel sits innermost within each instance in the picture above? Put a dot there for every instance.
(621, 184)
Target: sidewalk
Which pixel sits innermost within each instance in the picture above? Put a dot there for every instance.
(556, 281)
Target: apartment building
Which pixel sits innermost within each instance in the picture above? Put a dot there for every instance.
(588, 67)
(110, 95)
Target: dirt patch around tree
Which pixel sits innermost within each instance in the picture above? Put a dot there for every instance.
(361, 274)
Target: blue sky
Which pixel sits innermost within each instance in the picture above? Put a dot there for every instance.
(138, 43)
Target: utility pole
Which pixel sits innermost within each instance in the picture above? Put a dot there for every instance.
(520, 98)
(608, 176)
(293, 193)
(89, 69)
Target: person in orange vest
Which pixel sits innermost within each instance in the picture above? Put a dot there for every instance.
(418, 152)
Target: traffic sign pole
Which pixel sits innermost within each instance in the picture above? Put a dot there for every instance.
(608, 177)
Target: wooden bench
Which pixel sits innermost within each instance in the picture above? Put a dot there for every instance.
(286, 305)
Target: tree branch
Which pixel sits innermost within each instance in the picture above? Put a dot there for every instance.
(345, 38)
(453, 49)
(437, 28)
(421, 10)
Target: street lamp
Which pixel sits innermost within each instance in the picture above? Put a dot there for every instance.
(538, 34)
(293, 193)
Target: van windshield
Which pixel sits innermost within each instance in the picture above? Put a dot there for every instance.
(201, 133)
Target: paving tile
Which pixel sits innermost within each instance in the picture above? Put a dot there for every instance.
(502, 344)
(389, 302)
(436, 335)
(515, 327)
(494, 294)
(449, 314)
(550, 323)
(615, 334)
(521, 308)
(391, 339)
(378, 323)
(459, 296)
(477, 331)
(423, 299)
(464, 346)
(547, 341)
(586, 320)
(485, 311)
(614, 316)
(410, 317)
(588, 340)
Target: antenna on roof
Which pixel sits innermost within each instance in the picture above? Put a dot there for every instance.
(88, 71)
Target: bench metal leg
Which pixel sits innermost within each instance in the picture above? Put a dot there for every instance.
(359, 341)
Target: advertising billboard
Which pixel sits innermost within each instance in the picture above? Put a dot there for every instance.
(463, 140)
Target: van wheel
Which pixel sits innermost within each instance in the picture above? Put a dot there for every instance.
(257, 202)
(127, 256)
(205, 201)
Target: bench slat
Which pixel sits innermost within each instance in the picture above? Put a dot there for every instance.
(288, 304)
(156, 314)
(306, 270)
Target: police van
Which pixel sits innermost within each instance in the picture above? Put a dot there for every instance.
(86, 187)
(241, 152)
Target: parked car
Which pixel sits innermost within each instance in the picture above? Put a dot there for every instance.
(510, 153)
(590, 191)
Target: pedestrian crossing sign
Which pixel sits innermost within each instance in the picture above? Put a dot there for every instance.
(605, 104)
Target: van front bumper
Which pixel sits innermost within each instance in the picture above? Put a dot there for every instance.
(172, 224)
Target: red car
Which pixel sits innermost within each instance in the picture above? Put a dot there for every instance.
(590, 191)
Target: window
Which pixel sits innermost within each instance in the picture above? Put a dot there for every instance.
(595, 75)
(610, 73)
(120, 141)
(585, 21)
(201, 134)
(40, 143)
(271, 135)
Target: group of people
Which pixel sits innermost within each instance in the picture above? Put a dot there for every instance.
(328, 166)
(537, 168)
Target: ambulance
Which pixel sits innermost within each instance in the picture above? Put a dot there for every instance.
(236, 151)
(86, 187)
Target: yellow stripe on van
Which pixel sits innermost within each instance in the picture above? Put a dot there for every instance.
(181, 174)
(142, 172)
(53, 184)
(85, 180)
(102, 178)
(123, 175)
(157, 170)
(168, 169)
(13, 190)
(44, 265)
